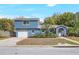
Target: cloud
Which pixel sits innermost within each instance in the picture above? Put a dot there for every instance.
(51, 5)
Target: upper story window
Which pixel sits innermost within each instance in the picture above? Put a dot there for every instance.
(26, 22)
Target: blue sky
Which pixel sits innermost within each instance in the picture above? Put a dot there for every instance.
(36, 10)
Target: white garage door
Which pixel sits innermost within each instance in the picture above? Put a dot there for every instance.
(22, 34)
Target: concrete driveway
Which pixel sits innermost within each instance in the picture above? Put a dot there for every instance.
(10, 41)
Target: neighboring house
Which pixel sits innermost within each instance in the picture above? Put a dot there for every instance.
(26, 27)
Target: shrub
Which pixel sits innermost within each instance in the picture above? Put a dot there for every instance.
(72, 32)
(49, 35)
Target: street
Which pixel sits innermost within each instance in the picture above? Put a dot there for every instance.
(38, 51)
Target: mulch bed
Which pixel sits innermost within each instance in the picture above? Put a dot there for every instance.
(42, 41)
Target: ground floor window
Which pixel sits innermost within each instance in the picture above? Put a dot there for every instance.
(33, 31)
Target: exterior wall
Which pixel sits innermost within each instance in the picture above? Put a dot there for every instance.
(30, 33)
(32, 24)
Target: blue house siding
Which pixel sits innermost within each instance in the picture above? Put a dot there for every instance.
(30, 25)
(32, 28)
(30, 33)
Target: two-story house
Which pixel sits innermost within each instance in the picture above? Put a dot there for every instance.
(26, 27)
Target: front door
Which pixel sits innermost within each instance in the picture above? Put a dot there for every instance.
(61, 32)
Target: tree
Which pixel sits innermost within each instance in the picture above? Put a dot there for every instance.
(6, 24)
(66, 18)
(76, 22)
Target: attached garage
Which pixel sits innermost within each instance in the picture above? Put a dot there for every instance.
(22, 34)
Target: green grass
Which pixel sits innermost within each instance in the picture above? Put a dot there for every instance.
(69, 42)
(73, 38)
(2, 38)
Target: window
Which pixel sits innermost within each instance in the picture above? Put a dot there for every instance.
(26, 22)
(32, 31)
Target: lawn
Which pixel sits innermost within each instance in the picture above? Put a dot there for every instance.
(44, 41)
(74, 38)
(3, 37)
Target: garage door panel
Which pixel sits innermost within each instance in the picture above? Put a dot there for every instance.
(22, 34)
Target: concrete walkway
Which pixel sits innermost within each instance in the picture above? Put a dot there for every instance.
(70, 40)
(9, 41)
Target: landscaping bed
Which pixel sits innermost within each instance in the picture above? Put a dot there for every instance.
(44, 41)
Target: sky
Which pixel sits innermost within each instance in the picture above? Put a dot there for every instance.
(36, 10)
